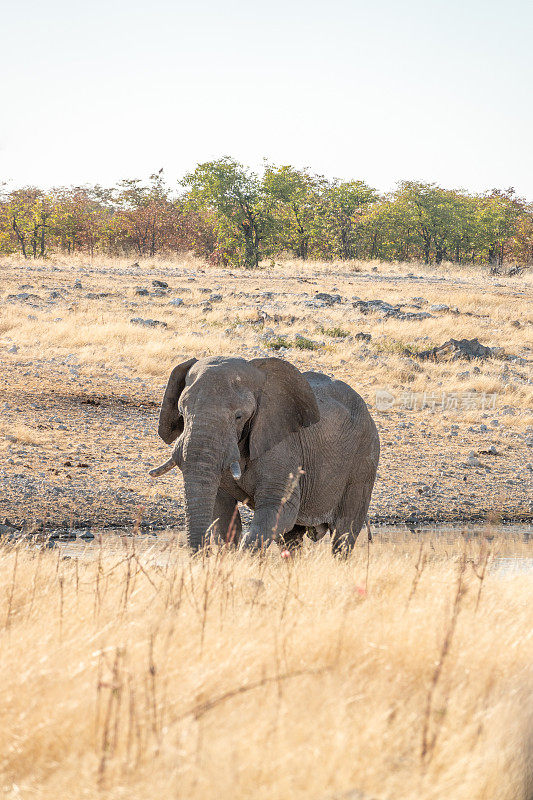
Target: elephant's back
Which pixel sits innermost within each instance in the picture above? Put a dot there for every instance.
(331, 390)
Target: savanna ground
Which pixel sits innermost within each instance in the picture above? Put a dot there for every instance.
(81, 384)
(130, 669)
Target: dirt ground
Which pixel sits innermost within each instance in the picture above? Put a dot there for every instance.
(84, 368)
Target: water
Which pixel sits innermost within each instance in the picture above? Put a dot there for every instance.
(507, 565)
(513, 565)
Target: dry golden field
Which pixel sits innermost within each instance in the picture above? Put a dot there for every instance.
(131, 671)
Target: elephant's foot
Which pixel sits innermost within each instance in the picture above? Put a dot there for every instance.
(343, 539)
(292, 540)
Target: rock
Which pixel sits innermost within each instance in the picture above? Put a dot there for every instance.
(491, 451)
(23, 296)
(362, 337)
(439, 307)
(389, 310)
(328, 299)
(62, 536)
(97, 295)
(55, 295)
(160, 284)
(13, 349)
(215, 298)
(177, 301)
(86, 536)
(473, 460)
(6, 529)
(148, 323)
(77, 285)
(458, 348)
(142, 292)
(462, 376)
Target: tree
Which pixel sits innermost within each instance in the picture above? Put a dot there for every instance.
(295, 197)
(345, 205)
(236, 199)
(497, 223)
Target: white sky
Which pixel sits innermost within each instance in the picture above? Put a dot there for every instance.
(373, 89)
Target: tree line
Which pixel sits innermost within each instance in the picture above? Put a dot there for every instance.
(227, 214)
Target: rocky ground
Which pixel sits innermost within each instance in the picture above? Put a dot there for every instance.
(86, 350)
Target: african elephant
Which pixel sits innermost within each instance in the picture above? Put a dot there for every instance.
(300, 449)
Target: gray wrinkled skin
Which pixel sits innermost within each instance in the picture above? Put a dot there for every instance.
(300, 449)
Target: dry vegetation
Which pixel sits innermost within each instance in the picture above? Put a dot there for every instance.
(402, 672)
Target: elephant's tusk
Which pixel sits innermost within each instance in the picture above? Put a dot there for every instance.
(235, 468)
(166, 467)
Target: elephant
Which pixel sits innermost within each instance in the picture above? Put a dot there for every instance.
(300, 449)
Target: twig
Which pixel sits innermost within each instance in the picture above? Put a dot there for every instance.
(12, 589)
(428, 744)
(419, 568)
(200, 709)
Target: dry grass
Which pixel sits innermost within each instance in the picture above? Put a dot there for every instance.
(151, 674)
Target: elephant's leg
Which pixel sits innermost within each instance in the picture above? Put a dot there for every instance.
(343, 537)
(229, 524)
(352, 515)
(293, 539)
(272, 519)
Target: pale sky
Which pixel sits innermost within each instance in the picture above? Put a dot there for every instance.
(379, 90)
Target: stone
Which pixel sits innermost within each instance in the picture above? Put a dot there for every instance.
(7, 529)
(473, 460)
(13, 349)
(389, 310)
(439, 307)
(177, 301)
(215, 298)
(148, 323)
(490, 451)
(458, 348)
(160, 284)
(142, 292)
(328, 299)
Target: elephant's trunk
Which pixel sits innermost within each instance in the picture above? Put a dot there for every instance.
(204, 458)
(200, 492)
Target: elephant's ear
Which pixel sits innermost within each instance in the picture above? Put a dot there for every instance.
(286, 403)
(170, 420)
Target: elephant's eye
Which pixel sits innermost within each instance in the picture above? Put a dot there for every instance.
(238, 415)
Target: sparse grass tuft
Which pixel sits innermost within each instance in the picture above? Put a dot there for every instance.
(334, 333)
(298, 343)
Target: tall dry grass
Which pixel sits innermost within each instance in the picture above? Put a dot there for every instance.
(402, 672)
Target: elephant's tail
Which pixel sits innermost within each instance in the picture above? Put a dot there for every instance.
(368, 530)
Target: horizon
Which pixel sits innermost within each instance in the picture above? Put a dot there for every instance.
(107, 92)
